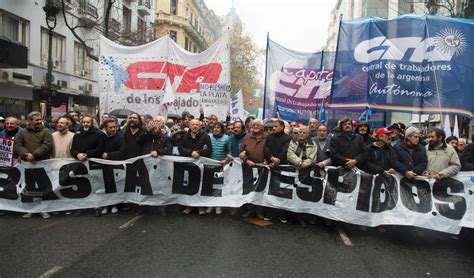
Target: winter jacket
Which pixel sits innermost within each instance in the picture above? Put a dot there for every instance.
(114, 146)
(467, 158)
(301, 151)
(323, 154)
(254, 146)
(159, 143)
(132, 147)
(276, 145)
(221, 146)
(11, 135)
(90, 142)
(201, 143)
(347, 146)
(236, 141)
(415, 161)
(443, 160)
(38, 142)
(380, 159)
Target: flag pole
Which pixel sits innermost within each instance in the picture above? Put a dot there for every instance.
(333, 112)
(266, 72)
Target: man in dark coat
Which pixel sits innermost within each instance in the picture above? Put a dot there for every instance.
(411, 154)
(364, 130)
(276, 145)
(347, 148)
(132, 131)
(114, 145)
(88, 142)
(380, 155)
(195, 144)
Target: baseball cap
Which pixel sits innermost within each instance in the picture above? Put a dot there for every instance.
(2, 119)
(381, 131)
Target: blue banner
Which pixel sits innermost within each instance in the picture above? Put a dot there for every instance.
(408, 64)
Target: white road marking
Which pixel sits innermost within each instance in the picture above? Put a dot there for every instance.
(51, 272)
(131, 222)
(347, 241)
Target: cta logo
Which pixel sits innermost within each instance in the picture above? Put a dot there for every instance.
(446, 44)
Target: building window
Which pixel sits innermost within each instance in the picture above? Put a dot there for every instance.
(173, 35)
(186, 43)
(141, 32)
(82, 63)
(127, 19)
(14, 28)
(377, 8)
(405, 7)
(58, 48)
(174, 7)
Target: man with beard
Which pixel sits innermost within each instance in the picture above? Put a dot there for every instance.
(364, 130)
(75, 123)
(131, 133)
(195, 144)
(62, 138)
(88, 142)
(34, 143)
(411, 154)
(443, 161)
(397, 132)
(380, 155)
(237, 138)
(347, 148)
(276, 145)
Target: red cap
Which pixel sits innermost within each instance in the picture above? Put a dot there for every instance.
(381, 131)
(355, 123)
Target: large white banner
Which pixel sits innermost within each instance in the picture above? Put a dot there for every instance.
(342, 194)
(133, 77)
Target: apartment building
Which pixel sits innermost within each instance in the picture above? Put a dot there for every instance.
(75, 75)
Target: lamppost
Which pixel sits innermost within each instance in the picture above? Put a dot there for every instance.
(51, 9)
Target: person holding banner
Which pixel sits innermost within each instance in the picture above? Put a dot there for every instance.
(62, 138)
(443, 161)
(411, 154)
(380, 155)
(195, 144)
(238, 137)
(34, 143)
(302, 155)
(347, 148)
(221, 150)
(88, 142)
(276, 145)
(251, 153)
(131, 132)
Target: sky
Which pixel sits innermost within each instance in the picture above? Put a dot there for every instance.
(300, 25)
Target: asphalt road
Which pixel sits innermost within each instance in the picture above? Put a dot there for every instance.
(180, 245)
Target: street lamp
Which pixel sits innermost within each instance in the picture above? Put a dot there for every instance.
(51, 9)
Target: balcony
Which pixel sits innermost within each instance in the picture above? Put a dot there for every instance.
(114, 27)
(165, 18)
(143, 7)
(87, 13)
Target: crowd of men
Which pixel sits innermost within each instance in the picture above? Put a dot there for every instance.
(395, 149)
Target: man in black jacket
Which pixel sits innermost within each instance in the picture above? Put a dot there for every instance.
(347, 148)
(467, 158)
(114, 147)
(364, 130)
(411, 154)
(154, 140)
(88, 142)
(131, 133)
(380, 155)
(276, 145)
(195, 144)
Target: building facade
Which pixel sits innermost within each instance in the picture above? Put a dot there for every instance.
(188, 22)
(75, 75)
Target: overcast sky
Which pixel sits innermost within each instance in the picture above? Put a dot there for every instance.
(297, 24)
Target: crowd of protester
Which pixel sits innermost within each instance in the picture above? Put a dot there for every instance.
(395, 149)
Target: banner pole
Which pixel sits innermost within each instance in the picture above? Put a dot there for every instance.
(266, 72)
(436, 80)
(334, 70)
(322, 99)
